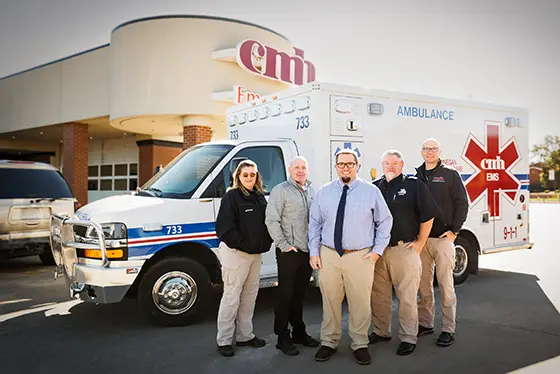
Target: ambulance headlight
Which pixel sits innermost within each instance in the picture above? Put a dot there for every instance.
(113, 230)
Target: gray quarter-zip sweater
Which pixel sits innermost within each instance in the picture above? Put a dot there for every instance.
(287, 215)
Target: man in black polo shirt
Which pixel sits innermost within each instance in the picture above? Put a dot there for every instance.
(413, 210)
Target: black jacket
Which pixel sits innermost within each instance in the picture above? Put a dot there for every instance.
(447, 188)
(240, 223)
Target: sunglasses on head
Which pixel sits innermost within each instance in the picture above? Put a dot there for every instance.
(247, 175)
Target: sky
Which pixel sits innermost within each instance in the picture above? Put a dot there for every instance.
(504, 52)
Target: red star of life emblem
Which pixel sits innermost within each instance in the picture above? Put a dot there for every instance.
(492, 178)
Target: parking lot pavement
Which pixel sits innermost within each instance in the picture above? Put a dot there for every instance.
(506, 321)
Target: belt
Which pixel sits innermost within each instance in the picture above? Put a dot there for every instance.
(400, 242)
(346, 250)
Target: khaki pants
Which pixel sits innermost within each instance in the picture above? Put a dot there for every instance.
(241, 276)
(399, 267)
(352, 275)
(440, 252)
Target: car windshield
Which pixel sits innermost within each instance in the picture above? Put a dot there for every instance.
(181, 178)
(31, 183)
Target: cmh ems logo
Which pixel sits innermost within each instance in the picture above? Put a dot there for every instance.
(493, 164)
(490, 165)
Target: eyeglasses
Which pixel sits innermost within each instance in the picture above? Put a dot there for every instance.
(430, 149)
(247, 175)
(348, 165)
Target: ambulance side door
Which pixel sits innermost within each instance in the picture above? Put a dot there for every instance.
(272, 159)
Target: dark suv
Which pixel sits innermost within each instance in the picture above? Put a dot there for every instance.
(29, 193)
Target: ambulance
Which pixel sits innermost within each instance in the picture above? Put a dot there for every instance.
(159, 245)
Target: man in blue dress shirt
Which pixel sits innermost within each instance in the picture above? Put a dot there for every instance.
(349, 227)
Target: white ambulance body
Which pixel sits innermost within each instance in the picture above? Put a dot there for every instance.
(160, 244)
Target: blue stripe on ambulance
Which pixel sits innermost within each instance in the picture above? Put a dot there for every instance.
(170, 235)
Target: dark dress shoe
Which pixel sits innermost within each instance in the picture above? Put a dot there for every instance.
(226, 350)
(424, 330)
(305, 340)
(362, 356)
(445, 339)
(255, 343)
(287, 347)
(405, 348)
(374, 338)
(324, 353)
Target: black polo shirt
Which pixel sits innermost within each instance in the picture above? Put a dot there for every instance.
(410, 203)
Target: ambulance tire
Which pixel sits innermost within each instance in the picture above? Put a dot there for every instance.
(164, 276)
(464, 252)
(47, 256)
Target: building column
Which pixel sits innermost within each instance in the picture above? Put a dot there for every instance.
(75, 159)
(196, 134)
(196, 129)
(153, 153)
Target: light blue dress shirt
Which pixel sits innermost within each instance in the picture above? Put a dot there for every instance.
(367, 219)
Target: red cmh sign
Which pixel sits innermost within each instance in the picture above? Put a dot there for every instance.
(268, 62)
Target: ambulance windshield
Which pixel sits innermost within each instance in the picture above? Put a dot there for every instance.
(182, 176)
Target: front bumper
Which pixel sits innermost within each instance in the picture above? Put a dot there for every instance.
(100, 281)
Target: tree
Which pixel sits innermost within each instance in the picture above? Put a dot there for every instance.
(549, 154)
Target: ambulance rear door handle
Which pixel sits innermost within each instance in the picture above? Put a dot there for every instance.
(205, 200)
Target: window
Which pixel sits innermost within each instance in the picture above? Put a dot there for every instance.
(106, 185)
(93, 171)
(106, 170)
(121, 184)
(108, 177)
(93, 185)
(181, 178)
(270, 164)
(32, 183)
(121, 169)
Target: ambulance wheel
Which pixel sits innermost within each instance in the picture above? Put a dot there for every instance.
(175, 291)
(47, 256)
(464, 252)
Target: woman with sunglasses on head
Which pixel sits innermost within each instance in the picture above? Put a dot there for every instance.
(244, 237)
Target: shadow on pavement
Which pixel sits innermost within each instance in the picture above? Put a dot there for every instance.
(505, 322)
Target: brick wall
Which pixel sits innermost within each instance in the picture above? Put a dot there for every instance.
(152, 153)
(75, 159)
(196, 134)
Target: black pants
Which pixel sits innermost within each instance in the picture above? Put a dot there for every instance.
(294, 273)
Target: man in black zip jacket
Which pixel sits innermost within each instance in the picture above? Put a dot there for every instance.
(447, 188)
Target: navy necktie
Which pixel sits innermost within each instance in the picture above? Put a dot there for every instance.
(340, 221)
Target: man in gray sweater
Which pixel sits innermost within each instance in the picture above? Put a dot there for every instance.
(287, 217)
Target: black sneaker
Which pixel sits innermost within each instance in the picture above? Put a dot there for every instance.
(324, 353)
(405, 348)
(374, 338)
(226, 350)
(255, 343)
(445, 339)
(305, 340)
(424, 330)
(362, 356)
(287, 347)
